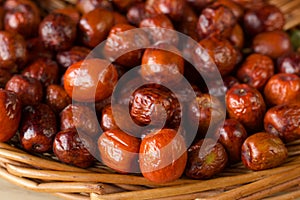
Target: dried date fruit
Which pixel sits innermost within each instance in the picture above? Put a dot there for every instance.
(136, 13)
(246, 104)
(263, 151)
(154, 106)
(159, 26)
(10, 108)
(237, 37)
(162, 64)
(94, 26)
(4, 77)
(29, 90)
(256, 70)
(206, 111)
(282, 89)
(273, 44)
(119, 151)
(57, 98)
(13, 51)
(289, 64)
(57, 31)
(72, 149)
(163, 156)
(38, 128)
(22, 17)
(43, 69)
(205, 159)
(67, 58)
(72, 12)
(284, 121)
(172, 8)
(235, 8)
(81, 117)
(215, 20)
(266, 18)
(85, 6)
(91, 88)
(125, 45)
(232, 135)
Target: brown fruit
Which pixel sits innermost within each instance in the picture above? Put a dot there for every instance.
(154, 106)
(43, 69)
(72, 12)
(205, 159)
(215, 20)
(10, 108)
(237, 37)
(85, 6)
(29, 90)
(22, 16)
(38, 128)
(282, 89)
(163, 156)
(266, 18)
(57, 31)
(94, 26)
(91, 88)
(125, 45)
(246, 104)
(289, 64)
(232, 135)
(160, 27)
(119, 151)
(57, 98)
(172, 8)
(263, 151)
(284, 121)
(5, 75)
(206, 111)
(37, 50)
(256, 70)
(235, 8)
(162, 65)
(221, 53)
(273, 44)
(136, 13)
(14, 53)
(73, 149)
(80, 117)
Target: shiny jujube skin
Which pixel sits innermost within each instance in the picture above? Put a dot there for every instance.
(57, 98)
(157, 33)
(263, 151)
(235, 8)
(256, 70)
(136, 13)
(289, 64)
(122, 38)
(85, 6)
(72, 12)
(38, 128)
(80, 117)
(205, 162)
(273, 44)
(246, 104)
(14, 54)
(22, 17)
(43, 69)
(266, 18)
(72, 149)
(172, 8)
(29, 90)
(163, 156)
(282, 89)
(216, 20)
(95, 26)
(10, 108)
(57, 31)
(164, 66)
(206, 111)
(237, 37)
(92, 79)
(232, 135)
(284, 121)
(119, 151)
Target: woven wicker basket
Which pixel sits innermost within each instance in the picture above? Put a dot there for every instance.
(43, 173)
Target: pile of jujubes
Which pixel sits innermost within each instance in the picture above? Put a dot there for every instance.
(56, 93)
